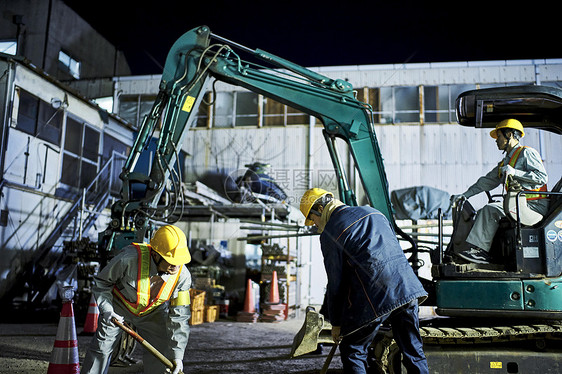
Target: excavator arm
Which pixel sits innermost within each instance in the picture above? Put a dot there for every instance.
(192, 61)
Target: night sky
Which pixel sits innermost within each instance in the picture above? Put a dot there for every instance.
(313, 33)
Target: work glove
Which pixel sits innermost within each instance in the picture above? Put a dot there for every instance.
(178, 366)
(507, 170)
(512, 184)
(456, 199)
(108, 316)
(336, 333)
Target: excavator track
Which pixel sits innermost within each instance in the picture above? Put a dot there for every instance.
(491, 334)
(538, 340)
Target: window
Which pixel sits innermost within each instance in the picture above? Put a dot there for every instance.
(385, 109)
(273, 113)
(277, 114)
(203, 112)
(295, 117)
(243, 109)
(80, 156)
(119, 150)
(133, 108)
(370, 96)
(246, 109)
(8, 47)
(406, 104)
(38, 118)
(436, 104)
(224, 109)
(69, 65)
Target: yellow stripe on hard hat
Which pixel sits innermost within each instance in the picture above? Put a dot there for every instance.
(510, 123)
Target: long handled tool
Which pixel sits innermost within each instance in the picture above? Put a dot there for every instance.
(329, 358)
(146, 345)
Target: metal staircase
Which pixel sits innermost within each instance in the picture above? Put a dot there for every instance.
(51, 255)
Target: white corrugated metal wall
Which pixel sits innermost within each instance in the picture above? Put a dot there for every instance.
(448, 157)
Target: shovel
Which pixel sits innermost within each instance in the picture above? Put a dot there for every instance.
(315, 330)
(329, 358)
(146, 345)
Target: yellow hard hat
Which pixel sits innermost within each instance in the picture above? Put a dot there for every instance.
(170, 243)
(308, 200)
(507, 124)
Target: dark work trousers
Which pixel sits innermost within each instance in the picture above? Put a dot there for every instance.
(405, 330)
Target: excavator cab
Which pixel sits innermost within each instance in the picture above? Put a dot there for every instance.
(524, 280)
(526, 241)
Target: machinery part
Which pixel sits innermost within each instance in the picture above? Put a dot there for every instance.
(145, 344)
(191, 63)
(483, 348)
(315, 330)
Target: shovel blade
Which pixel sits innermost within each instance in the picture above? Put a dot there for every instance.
(315, 330)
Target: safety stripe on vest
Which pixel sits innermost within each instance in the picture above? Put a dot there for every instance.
(512, 161)
(143, 305)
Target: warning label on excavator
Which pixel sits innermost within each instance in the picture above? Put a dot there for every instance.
(531, 252)
(495, 365)
(188, 104)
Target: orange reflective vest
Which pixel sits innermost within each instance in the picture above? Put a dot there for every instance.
(529, 196)
(143, 305)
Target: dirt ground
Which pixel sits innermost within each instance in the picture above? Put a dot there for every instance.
(225, 346)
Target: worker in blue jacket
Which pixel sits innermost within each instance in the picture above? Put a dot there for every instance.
(369, 280)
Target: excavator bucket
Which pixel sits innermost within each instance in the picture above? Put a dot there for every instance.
(315, 330)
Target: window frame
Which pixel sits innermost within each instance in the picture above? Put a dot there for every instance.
(79, 157)
(71, 65)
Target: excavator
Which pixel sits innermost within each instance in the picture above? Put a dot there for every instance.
(502, 317)
(475, 303)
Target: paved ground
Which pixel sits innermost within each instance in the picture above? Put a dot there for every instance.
(224, 346)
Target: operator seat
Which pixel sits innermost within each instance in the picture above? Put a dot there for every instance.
(505, 241)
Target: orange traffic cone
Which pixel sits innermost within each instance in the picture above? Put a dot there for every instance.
(249, 304)
(64, 357)
(91, 324)
(272, 311)
(249, 313)
(274, 289)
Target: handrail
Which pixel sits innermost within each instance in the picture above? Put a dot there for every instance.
(73, 209)
(52, 240)
(518, 226)
(97, 204)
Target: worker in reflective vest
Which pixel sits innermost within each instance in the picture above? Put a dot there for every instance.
(525, 166)
(146, 285)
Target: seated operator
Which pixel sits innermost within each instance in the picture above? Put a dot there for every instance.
(525, 166)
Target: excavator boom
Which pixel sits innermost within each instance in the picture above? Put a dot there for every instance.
(192, 61)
